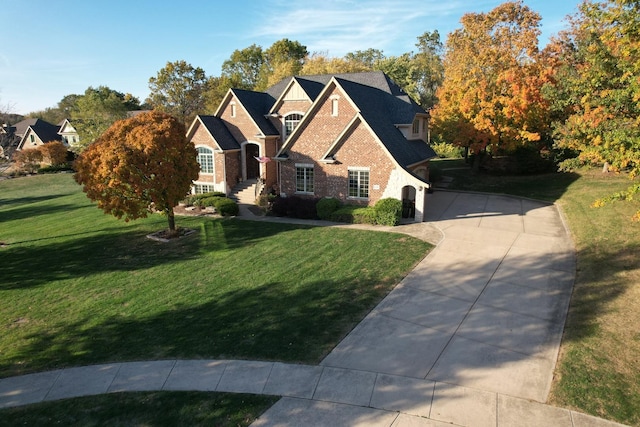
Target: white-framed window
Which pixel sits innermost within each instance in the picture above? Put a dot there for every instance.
(291, 121)
(416, 127)
(233, 109)
(205, 158)
(359, 183)
(334, 106)
(203, 188)
(304, 178)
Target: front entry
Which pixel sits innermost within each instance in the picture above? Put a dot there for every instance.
(252, 165)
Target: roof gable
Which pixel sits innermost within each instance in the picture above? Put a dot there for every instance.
(379, 106)
(217, 130)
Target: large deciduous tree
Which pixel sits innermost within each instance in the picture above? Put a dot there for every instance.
(491, 94)
(139, 165)
(96, 110)
(597, 90)
(244, 67)
(178, 89)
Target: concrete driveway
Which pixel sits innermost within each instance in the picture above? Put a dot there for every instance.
(485, 309)
(470, 336)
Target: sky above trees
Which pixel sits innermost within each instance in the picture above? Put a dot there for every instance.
(53, 49)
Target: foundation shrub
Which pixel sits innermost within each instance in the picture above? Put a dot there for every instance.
(388, 212)
(327, 206)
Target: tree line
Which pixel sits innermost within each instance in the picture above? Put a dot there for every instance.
(489, 87)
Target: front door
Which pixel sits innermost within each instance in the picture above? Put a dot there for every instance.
(252, 152)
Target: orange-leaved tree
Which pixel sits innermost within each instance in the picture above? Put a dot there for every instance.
(139, 165)
(491, 95)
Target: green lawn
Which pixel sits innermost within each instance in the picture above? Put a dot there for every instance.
(597, 371)
(171, 409)
(80, 287)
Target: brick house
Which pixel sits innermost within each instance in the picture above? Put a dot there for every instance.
(357, 137)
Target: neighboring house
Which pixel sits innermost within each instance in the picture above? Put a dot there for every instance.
(68, 133)
(357, 137)
(35, 132)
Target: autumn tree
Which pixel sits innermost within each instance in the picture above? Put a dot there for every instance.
(54, 153)
(428, 70)
(490, 97)
(96, 110)
(178, 89)
(138, 166)
(597, 88)
(321, 63)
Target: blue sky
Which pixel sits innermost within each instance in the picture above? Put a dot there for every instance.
(53, 48)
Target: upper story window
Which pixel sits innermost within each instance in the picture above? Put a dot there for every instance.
(205, 159)
(291, 121)
(32, 139)
(416, 127)
(334, 106)
(233, 109)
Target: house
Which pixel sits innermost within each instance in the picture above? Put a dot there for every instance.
(357, 137)
(68, 134)
(35, 132)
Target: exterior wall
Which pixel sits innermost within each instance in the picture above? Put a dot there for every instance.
(359, 150)
(26, 140)
(223, 169)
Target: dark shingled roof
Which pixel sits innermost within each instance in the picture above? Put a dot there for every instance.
(382, 110)
(220, 132)
(257, 105)
(45, 130)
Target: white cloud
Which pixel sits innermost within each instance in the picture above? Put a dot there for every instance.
(344, 26)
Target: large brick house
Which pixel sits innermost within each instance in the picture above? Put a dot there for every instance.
(357, 137)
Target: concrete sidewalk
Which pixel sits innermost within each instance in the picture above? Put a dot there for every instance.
(312, 395)
(470, 337)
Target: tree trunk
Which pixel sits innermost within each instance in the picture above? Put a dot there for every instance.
(172, 221)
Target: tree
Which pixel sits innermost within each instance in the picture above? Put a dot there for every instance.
(366, 58)
(598, 87)
(283, 58)
(54, 153)
(244, 66)
(139, 165)
(319, 63)
(96, 110)
(428, 68)
(491, 97)
(178, 89)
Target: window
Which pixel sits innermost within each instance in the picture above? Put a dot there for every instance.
(416, 127)
(359, 183)
(205, 158)
(233, 109)
(203, 188)
(304, 179)
(334, 107)
(290, 123)
(32, 139)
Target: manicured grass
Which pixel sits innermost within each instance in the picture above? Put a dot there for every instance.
(143, 409)
(597, 371)
(80, 287)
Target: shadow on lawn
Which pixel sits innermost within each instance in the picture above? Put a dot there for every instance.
(100, 251)
(270, 322)
(33, 211)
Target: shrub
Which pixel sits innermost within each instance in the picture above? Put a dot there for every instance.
(388, 211)
(194, 199)
(226, 206)
(54, 153)
(54, 169)
(326, 206)
(28, 159)
(354, 214)
(444, 150)
(294, 207)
